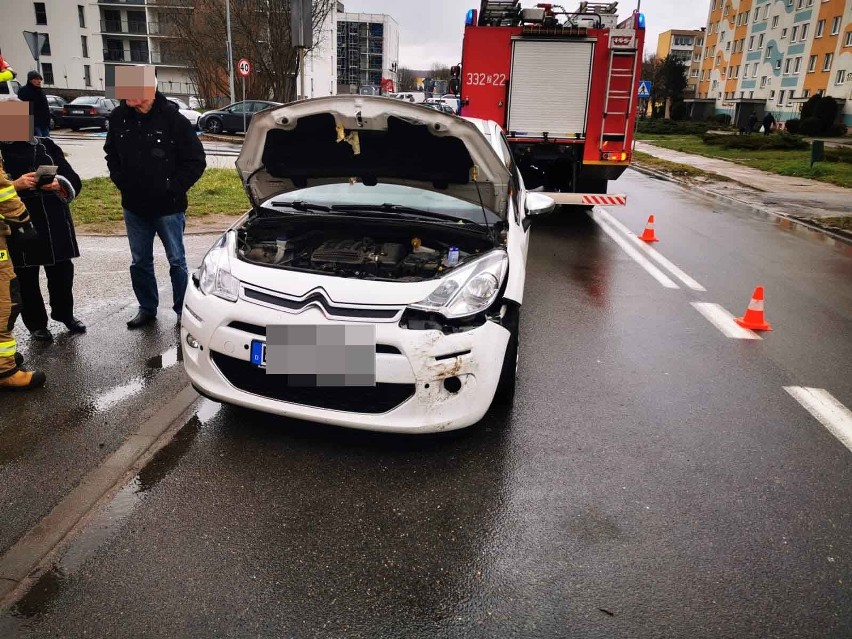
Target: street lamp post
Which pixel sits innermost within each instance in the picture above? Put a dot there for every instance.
(230, 51)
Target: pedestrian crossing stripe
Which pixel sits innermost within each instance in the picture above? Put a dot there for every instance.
(4, 255)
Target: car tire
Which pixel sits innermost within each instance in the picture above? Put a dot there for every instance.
(509, 371)
(53, 125)
(213, 125)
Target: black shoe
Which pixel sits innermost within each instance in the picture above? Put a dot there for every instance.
(72, 323)
(42, 335)
(19, 359)
(142, 319)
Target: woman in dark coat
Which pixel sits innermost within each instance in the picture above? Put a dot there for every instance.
(56, 245)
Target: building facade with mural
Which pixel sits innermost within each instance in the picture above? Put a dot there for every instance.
(773, 55)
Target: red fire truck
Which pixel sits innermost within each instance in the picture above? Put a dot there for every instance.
(562, 85)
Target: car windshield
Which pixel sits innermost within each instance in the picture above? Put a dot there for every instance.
(353, 195)
(85, 100)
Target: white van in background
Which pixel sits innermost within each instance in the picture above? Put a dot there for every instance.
(9, 90)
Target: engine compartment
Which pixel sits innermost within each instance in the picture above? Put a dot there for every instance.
(362, 250)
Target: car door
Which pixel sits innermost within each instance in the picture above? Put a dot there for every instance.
(233, 119)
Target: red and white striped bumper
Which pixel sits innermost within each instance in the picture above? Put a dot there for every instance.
(588, 199)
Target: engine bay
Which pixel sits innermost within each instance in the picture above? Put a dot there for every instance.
(361, 251)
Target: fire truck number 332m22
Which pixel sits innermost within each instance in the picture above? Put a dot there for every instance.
(563, 85)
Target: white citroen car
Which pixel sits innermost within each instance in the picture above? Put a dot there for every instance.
(378, 278)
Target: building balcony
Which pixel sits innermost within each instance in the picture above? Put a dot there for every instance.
(129, 57)
(124, 28)
(162, 29)
(167, 58)
(166, 4)
(123, 3)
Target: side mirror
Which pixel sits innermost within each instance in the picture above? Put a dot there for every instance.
(539, 204)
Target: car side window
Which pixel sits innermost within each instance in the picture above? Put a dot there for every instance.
(239, 108)
(4, 88)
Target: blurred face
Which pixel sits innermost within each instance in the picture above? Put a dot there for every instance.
(36, 82)
(137, 86)
(16, 124)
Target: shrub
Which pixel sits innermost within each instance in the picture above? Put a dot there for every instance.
(777, 141)
(722, 118)
(838, 154)
(792, 126)
(810, 126)
(837, 130)
(671, 127)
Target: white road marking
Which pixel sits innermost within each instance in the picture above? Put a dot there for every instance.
(827, 410)
(640, 259)
(724, 321)
(649, 251)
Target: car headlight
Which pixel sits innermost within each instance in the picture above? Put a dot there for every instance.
(469, 289)
(214, 277)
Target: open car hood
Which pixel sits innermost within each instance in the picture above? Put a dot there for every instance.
(369, 139)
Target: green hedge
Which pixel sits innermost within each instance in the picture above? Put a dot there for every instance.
(780, 141)
(672, 127)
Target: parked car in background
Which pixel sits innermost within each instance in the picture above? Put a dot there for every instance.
(408, 251)
(194, 103)
(231, 118)
(88, 111)
(57, 106)
(439, 106)
(183, 108)
(409, 96)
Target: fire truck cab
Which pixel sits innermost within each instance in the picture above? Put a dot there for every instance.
(562, 85)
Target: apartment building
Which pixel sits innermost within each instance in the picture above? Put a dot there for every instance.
(367, 50)
(686, 46)
(772, 55)
(85, 42)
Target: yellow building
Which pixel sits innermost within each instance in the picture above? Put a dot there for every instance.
(687, 46)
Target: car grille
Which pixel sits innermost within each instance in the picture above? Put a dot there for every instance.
(370, 399)
(317, 299)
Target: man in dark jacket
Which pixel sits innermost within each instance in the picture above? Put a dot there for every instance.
(154, 157)
(39, 108)
(768, 123)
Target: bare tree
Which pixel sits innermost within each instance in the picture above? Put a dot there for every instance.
(439, 72)
(406, 79)
(260, 31)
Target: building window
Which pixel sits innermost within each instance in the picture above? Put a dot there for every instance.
(812, 62)
(751, 43)
(835, 25)
(778, 64)
(774, 21)
(47, 72)
(771, 94)
(810, 3)
(781, 96)
(838, 79)
(804, 32)
(797, 66)
(794, 33)
(820, 29)
(768, 52)
(745, 18)
(848, 41)
(754, 70)
(760, 41)
(826, 64)
(783, 33)
(45, 48)
(84, 43)
(763, 82)
(766, 11)
(800, 4)
(87, 75)
(81, 14)
(40, 13)
(787, 63)
(806, 93)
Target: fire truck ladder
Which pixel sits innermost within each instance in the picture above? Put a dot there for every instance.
(619, 59)
(499, 13)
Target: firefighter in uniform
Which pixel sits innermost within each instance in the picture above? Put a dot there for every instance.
(13, 219)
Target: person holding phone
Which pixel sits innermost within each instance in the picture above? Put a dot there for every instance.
(46, 184)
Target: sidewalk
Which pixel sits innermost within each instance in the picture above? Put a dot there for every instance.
(777, 194)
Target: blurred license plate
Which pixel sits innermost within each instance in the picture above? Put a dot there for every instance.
(258, 353)
(79, 111)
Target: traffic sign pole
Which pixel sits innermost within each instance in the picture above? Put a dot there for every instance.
(244, 69)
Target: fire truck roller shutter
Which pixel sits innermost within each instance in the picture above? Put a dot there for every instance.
(554, 94)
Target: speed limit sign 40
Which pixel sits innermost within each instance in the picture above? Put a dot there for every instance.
(244, 67)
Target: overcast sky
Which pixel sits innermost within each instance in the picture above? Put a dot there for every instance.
(432, 30)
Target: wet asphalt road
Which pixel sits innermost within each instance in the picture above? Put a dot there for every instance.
(653, 478)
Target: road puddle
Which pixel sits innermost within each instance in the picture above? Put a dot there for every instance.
(105, 524)
(167, 359)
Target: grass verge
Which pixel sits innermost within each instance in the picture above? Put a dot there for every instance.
(790, 163)
(675, 168)
(218, 193)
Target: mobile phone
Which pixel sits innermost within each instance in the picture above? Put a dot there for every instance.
(45, 175)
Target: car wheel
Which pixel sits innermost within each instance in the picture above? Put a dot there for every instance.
(214, 125)
(53, 125)
(508, 373)
(105, 127)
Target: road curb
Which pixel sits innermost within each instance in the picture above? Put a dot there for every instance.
(840, 237)
(24, 558)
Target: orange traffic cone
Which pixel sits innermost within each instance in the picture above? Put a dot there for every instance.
(753, 317)
(648, 234)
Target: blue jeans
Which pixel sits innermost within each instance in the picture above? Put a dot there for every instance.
(41, 131)
(140, 233)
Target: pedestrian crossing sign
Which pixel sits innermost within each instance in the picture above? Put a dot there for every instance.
(645, 89)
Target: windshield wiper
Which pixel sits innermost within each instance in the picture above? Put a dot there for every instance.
(397, 208)
(299, 205)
